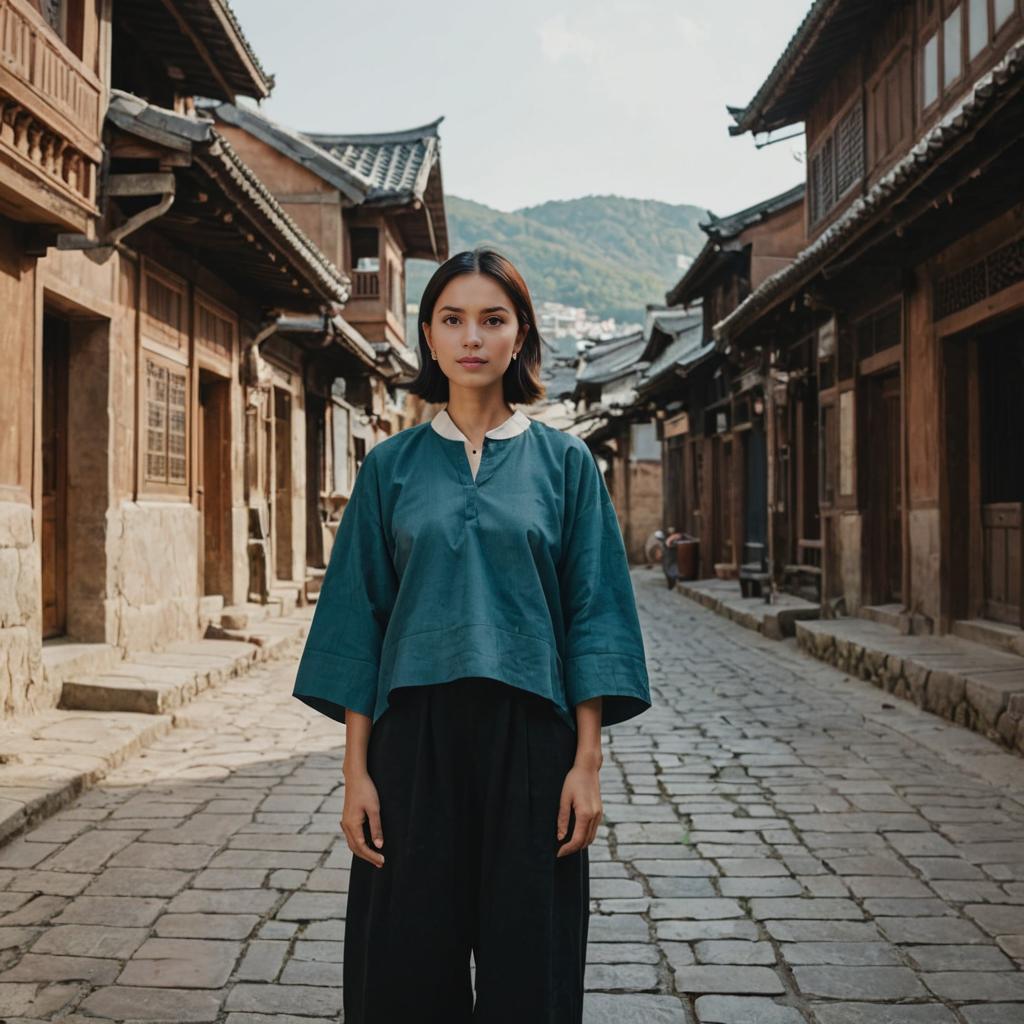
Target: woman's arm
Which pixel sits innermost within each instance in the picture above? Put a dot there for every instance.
(361, 800)
(581, 791)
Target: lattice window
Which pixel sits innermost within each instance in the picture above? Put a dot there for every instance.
(838, 165)
(166, 439)
(156, 422)
(176, 420)
(960, 290)
(850, 146)
(1006, 266)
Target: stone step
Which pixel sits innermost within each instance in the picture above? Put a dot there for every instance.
(776, 619)
(63, 658)
(48, 759)
(991, 634)
(158, 682)
(968, 683)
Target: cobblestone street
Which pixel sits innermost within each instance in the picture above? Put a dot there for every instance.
(781, 844)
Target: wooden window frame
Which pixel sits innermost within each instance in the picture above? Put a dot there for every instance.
(934, 24)
(210, 352)
(948, 9)
(153, 328)
(830, 136)
(147, 484)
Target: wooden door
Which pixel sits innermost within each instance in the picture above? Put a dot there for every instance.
(283, 562)
(316, 465)
(883, 481)
(1001, 381)
(892, 493)
(54, 540)
(755, 493)
(213, 487)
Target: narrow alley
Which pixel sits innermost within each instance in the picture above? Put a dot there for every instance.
(782, 844)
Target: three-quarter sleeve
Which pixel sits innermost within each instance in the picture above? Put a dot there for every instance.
(604, 652)
(340, 662)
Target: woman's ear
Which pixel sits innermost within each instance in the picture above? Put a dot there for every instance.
(426, 332)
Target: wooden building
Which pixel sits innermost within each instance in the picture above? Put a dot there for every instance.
(622, 441)
(904, 312)
(716, 441)
(154, 468)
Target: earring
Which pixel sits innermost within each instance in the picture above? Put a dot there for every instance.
(514, 354)
(433, 354)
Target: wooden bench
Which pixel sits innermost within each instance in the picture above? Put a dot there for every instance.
(807, 571)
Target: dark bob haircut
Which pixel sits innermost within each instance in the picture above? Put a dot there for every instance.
(521, 383)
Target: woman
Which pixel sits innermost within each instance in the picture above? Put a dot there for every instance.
(475, 629)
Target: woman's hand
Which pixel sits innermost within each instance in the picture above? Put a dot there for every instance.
(581, 793)
(361, 805)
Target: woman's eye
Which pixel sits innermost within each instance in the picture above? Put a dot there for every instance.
(497, 321)
(450, 316)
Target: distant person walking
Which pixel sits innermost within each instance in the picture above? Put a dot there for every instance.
(475, 629)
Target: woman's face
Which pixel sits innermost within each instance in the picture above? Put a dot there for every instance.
(474, 331)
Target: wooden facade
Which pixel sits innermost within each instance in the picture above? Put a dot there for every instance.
(895, 336)
(716, 438)
(187, 404)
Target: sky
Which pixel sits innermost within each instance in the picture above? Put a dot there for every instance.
(543, 99)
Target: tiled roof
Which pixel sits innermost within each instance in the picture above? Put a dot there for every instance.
(904, 176)
(394, 166)
(730, 226)
(687, 344)
(611, 359)
(725, 229)
(213, 153)
(823, 38)
(559, 379)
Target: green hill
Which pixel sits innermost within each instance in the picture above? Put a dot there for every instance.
(607, 253)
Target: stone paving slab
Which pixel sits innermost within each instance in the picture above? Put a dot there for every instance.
(779, 847)
(48, 758)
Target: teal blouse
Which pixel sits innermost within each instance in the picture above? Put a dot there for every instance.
(519, 574)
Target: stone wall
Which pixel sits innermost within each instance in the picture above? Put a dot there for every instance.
(22, 687)
(153, 589)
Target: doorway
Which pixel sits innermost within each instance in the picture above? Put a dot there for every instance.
(213, 486)
(1001, 442)
(883, 482)
(755, 493)
(283, 547)
(54, 498)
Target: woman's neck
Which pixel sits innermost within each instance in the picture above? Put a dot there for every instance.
(475, 412)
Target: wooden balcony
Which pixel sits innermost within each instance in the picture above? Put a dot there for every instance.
(365, 284)
(51, 113)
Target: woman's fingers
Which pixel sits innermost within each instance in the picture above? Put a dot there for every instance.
(562, 825)
(376, 832)
(353, 829)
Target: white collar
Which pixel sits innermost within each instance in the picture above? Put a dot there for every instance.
(515, 424)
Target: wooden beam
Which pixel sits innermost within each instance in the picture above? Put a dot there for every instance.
(200, 46)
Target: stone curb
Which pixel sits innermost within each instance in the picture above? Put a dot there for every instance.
(772, 620)
(48, 759)
(965, 683)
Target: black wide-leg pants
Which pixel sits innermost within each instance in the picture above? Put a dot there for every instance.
(469, 774)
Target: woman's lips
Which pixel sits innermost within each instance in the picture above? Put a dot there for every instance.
(471, 362)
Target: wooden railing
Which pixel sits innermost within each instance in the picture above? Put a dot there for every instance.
(50, 104)
(365, 284)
